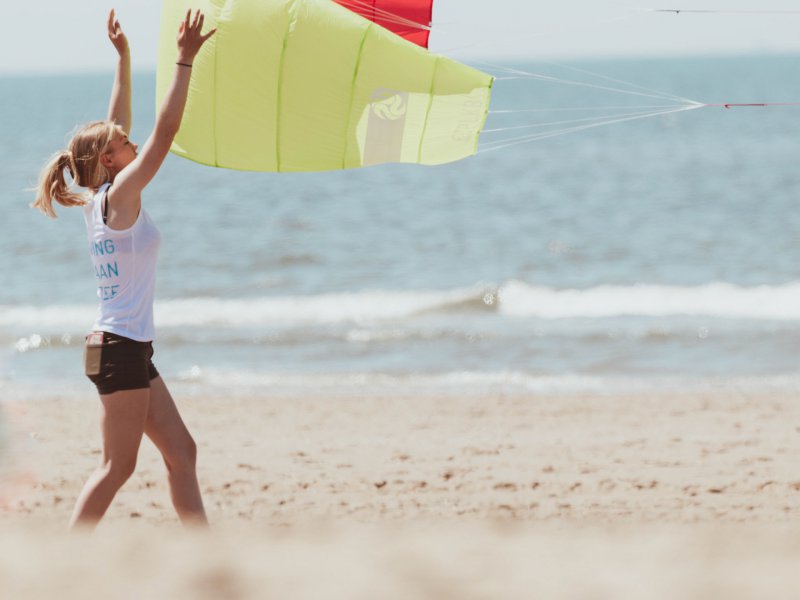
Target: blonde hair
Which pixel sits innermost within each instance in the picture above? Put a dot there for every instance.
(82, 160)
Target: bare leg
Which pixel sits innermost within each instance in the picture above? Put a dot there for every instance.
(166, 429)
(122, 421)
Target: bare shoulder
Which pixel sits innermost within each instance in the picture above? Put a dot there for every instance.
(123, 206)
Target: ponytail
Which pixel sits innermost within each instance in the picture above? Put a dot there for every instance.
(53, 186)
(82, 160)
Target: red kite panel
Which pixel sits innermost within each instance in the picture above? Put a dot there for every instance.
(410, 19)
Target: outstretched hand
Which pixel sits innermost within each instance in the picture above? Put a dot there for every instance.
(116, 35)
(190, 37)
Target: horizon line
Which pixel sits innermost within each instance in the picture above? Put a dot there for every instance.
(512, 58)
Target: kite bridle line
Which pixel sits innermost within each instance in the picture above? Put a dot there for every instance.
(500, 144)
(685, 104)
(679, 104)
(607, 120)
(570, 121)
(637, 91)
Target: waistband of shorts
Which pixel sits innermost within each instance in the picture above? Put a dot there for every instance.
(115, 338)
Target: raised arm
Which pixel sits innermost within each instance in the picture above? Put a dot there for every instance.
(130, 181)
(119, 108)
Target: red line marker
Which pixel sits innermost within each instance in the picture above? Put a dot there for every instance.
(752, 104)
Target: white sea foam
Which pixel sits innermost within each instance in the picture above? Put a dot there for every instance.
(720, 300)
(513, 299)
(287, 310)
(320, 309)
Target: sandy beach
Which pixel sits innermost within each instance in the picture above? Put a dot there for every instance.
(641, 496)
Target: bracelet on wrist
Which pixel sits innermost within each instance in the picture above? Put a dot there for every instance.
(180, 64)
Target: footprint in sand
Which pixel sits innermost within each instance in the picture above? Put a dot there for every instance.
(508, 487)
(607, 485)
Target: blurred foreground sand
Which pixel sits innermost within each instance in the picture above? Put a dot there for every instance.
(660, 496)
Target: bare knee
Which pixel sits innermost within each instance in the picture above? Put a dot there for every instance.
(183, 456)
(118, 471)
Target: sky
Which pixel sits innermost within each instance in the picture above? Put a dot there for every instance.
(53, 36)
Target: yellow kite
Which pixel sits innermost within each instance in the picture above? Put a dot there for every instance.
(308, 85)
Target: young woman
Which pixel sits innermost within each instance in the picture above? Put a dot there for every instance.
(123, 245)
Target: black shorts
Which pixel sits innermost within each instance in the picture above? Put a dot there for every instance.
(118, 363)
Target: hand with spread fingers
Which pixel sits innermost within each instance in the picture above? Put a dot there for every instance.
(116, 35)
(190, 36)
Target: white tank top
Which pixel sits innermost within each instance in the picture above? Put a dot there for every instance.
(125, 269)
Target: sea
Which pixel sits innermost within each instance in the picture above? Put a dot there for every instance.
(647, 254)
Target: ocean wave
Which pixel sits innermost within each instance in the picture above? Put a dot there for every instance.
(286, 310)
(717, 300)
(513, 299)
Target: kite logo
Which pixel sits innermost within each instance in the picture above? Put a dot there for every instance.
(386, 126)
(389, 105)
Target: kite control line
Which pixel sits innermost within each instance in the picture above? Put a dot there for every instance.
(678, 11)
(751, 104)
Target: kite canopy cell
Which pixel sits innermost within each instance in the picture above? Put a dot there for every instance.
(308, 85)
